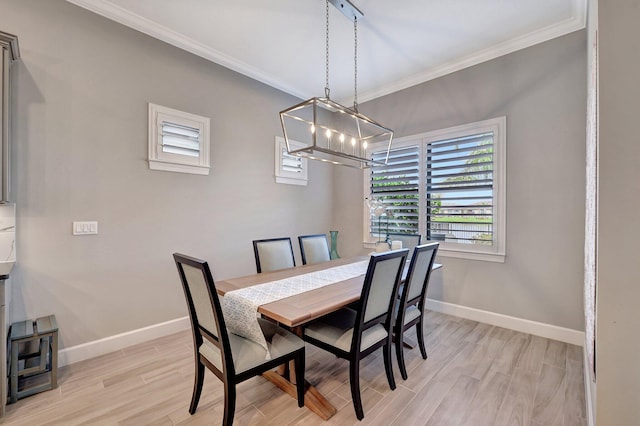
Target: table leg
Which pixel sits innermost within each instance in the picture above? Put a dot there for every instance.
(286, 369)
(408, 343)
(285, 379)
(313, 399)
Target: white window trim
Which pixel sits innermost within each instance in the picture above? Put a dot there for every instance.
(286, 177)
(498, 126)
(159, 160)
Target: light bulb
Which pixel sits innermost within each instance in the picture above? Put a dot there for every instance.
(341, 137)
(353, 141)
(328, 133)
(364, 144)
(313, 128)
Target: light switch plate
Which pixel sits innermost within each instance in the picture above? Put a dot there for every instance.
(85, 228)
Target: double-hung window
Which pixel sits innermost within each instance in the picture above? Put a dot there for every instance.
(447, 185)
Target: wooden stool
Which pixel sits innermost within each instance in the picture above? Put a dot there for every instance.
(35, 365)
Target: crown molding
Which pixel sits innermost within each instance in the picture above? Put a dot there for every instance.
(146, 26)
(118, 14)
(576, 22)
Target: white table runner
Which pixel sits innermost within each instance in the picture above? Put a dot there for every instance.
(240, 306)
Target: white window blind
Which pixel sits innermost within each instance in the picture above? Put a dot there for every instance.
(397, 185)
(178, 141)
(182, 140)
(447, 185)
(459, 189)
(290, 169)
(291, 163)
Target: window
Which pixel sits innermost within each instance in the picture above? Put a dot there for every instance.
(448, 185)
(290, 169)
(178, 141)
(397, 184)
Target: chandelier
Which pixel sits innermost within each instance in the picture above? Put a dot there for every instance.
(327, 131)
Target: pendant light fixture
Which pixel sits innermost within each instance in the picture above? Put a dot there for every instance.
(327, 131)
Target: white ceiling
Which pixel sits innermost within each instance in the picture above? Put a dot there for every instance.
(400, 43)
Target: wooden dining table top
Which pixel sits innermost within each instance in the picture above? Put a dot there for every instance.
(301, 308)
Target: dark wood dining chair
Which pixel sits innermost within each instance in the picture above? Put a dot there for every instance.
(409, 241)
(233, 359)
(413, 295)
(353, 334)
(314, 248)
(273, 254)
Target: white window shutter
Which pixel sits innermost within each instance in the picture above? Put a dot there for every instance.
(178, 141)
(448, 185)
(289, 169)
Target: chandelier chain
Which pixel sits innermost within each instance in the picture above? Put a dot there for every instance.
(355, 64)
(326, 130)
(326, 86)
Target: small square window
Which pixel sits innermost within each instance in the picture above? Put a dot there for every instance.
(290, 169)
(178, 141)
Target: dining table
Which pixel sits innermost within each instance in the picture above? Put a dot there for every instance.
(296, 310)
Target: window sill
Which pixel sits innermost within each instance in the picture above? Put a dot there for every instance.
(485, 257)
(291, 181)
(371, 245)
(180, 168)
(458, 254)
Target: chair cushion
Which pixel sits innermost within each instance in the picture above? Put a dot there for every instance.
(275, 255)
(411, 313)
(247, 354)
(316, 250)
(336, 329)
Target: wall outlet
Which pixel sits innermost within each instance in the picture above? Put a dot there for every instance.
(85, 228)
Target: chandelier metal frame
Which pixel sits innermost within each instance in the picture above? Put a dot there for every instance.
(329, 131)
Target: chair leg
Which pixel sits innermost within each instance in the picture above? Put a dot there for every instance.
(354, 380)
(300, 384)
(420, 333)
(400, 353)
(229, 403)
(386, 350)
(197, 386)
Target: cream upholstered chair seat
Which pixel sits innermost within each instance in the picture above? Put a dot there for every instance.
(247, 354)
(337, 330)
(411, 313)
(273, 254)
(314, 248)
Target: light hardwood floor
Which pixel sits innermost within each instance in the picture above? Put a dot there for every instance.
(476, 374)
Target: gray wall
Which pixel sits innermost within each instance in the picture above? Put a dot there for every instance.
(80, 154)
(81, 133)
(618, 316)
(542, 92)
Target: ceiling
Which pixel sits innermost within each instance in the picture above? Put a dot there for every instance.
(400, 43)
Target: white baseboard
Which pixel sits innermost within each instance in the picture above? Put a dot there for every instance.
(562, 334)
(119, 341)
(589, 390)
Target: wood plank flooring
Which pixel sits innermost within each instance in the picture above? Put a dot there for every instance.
(476, 374)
